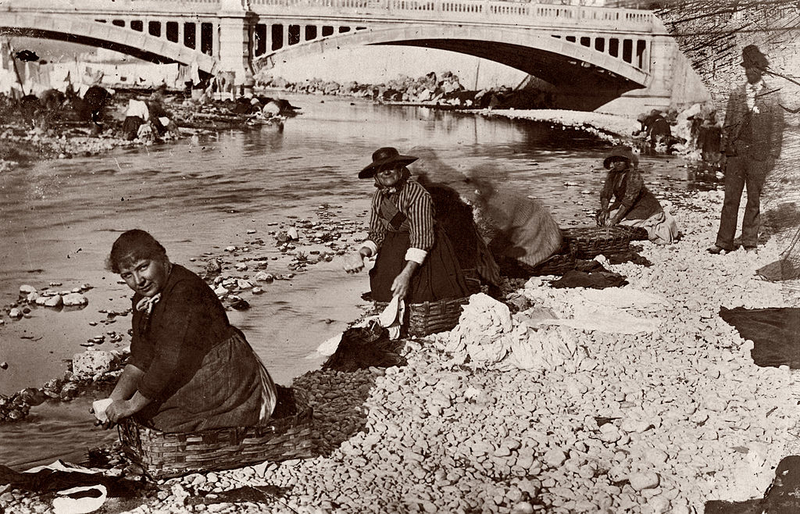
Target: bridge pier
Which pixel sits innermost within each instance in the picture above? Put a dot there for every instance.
(233, 41)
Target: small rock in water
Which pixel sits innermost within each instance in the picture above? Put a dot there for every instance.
(25, 290)
(239, 303)
(3, 365)
(54, 301)
(74, 300)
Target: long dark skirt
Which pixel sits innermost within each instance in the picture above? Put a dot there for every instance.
(232, 388)
(438, 278)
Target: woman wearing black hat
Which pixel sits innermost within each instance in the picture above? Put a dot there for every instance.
(634, 205)
(415, 260)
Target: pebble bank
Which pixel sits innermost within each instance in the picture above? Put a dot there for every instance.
(658, 421)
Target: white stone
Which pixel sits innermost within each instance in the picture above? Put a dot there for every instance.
(554, 458)
(74, 300)
(645, 480)
(92, 362)
(54, 301)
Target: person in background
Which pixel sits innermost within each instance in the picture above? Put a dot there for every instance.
(752, 139)
(633, 204)
(415, 260)
(189, 368)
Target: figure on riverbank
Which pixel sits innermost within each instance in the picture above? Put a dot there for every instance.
(752, 135)
(521, 231)
(189, 369)
(415, 259)
(633, 204)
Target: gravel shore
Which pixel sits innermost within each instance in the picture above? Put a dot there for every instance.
(656, 421)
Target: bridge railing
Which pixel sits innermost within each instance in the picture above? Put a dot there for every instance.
(477, 11)
(514, 12)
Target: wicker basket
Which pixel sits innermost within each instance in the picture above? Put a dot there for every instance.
(165, 455)
(589, 242)
(427, 318)
(636, 233)
(431, 317)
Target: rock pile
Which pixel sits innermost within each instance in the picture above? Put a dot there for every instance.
(30, 298)
(444, 91)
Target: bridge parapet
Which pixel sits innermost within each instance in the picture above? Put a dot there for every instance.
(522, 14)
(473, 11)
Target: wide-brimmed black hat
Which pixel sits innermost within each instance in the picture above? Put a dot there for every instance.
(620, 153)
(383, 156)
(753, 58)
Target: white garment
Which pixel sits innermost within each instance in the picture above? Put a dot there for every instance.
(138, 108)
(752, 93)
(392, 317)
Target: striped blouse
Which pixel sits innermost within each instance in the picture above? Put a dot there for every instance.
(416, 203)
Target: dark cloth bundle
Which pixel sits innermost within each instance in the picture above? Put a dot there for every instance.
(364, 347)
(591, 279)
(775, 333)
(49, 480)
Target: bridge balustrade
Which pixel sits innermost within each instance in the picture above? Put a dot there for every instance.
(475, 11)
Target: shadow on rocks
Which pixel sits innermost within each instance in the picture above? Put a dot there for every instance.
(337, 399)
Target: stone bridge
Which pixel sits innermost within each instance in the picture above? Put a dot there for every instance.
(607, 51)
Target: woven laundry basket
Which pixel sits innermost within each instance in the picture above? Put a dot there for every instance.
(165, 455)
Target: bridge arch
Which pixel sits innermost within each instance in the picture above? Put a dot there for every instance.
(556, 60)
(104, 35)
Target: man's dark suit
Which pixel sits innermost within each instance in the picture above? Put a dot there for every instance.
(752, 143)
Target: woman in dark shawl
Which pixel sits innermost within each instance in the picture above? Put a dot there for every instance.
(189, 369)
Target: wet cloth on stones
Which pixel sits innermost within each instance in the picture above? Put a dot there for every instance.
(605, 318)
(614, 311)
(592, 279)
(60, 475)
(775, 333)
(782, 496)
(364, 347)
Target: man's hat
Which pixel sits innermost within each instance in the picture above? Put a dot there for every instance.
(382, 157)
(753, 58)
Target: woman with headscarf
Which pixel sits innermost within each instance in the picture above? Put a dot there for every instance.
(189, 368)
(633, 204)
(415, 260)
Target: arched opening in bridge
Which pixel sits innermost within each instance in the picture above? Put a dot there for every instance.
(274, 36)
(186, 33)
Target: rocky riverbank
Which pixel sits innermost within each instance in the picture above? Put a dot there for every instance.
(599, 418)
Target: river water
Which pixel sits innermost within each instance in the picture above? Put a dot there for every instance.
(212, 190)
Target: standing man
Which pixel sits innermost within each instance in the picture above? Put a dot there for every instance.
(752, 134)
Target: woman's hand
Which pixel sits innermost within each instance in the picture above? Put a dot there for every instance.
(353, 262)
(401, 284)
(116, 411)
(612, 221)
(602, 217)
